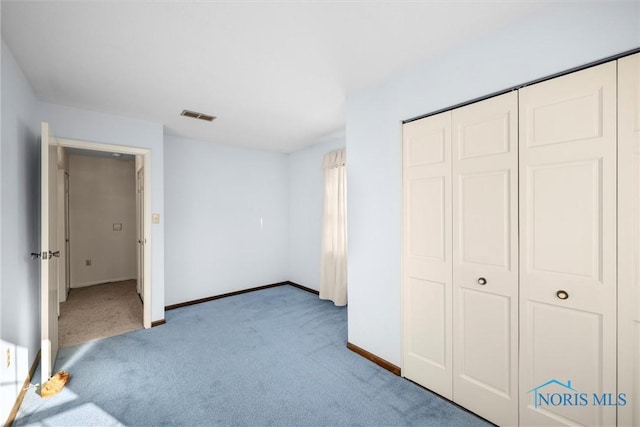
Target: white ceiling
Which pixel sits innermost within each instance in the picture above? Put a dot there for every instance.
(276, 73)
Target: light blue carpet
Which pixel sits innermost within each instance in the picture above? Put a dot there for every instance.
(275, 357)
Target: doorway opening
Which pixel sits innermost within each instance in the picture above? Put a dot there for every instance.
(130, 162)
(99, 217)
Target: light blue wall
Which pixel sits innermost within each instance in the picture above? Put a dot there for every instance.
(20, 224)
(73, 123)
(216, 196)
(556, 37)
(306, 183)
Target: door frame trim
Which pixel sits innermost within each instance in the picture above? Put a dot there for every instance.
(146, 155)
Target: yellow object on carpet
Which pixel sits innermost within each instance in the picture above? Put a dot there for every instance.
(55, 384)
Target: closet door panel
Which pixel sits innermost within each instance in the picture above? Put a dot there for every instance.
(485, 356)
(426, 294)
(485, 250)
(568, 246)
(484, 219)
(564, 234)
(580, 375)
(629, 238)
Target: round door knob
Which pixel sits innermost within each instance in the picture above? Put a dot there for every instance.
(482, 281)
(562, 294)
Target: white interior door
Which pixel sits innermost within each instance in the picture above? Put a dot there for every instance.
(61, 225)
(67, 238)
(568, 246)
(49, 253)
(140, 230)
(426, 289)
(629, 238)
(485, 258)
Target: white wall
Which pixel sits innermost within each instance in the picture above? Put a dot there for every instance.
(216, 196)
(306, 183)
(556, 37)
(102, 192)
(20, 207)
(73, 123)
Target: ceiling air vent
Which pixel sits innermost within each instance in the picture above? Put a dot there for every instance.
(196, 115)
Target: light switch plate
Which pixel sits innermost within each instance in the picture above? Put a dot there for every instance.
(155, 218)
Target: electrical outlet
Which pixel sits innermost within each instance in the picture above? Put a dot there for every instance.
(87, 262)
(8, 357)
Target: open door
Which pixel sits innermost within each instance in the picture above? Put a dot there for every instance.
(67, 247)
(140, 226)
(49, 253)
(62, 194)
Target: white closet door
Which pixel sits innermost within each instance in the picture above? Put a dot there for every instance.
(568, 247)
(485, 258)
(629, 239)
(427, 253)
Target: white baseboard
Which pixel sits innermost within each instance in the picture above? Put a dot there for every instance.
(100, 282)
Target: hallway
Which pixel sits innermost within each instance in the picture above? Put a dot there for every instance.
(99, 311)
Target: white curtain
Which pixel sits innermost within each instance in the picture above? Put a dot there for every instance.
(333, 273)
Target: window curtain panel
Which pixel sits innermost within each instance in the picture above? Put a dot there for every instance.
(333, 274)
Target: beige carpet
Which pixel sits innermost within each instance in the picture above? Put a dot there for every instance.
(99, 311)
